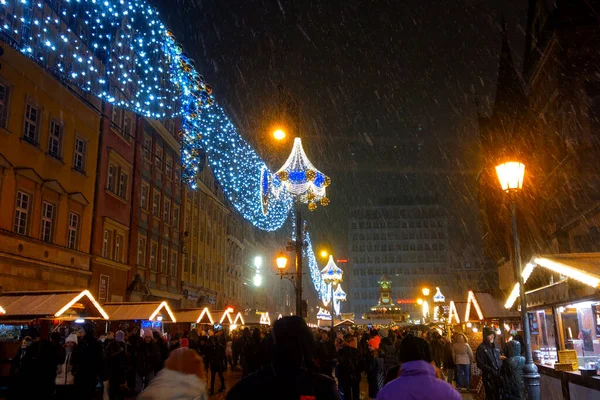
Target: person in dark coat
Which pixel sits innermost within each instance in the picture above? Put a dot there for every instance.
(287, 376)
(350, 368)
(238, 344)
(34, 368)
(326, 354)
(218, 361)
(388, 352)
(250, 353)
(448, 361)
(489, 362)
(88, 363)
(133, 344)
(163, 350)
(147, 360)
(115, 362)
(511, 372)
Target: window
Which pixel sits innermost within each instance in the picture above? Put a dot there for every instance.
(47, 221)
(164, 256)
(73, 232)
(158, 156)
(117, 179)
(153, 255)
(4, 101)
(176, 216)
(122, 185)
(156, 203)
(55, 139)
(119, 248)
(144, 196)
(169, 166)
(167, 210)
(127, 126)
(174, 263)
(80, 154)
(141, 253)
(121, 122)
(30, 125)
(147, 146)
(116, 115)
(21, 213)
(107, 243)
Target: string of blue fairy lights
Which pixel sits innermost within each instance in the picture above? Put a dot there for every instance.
(121, 52)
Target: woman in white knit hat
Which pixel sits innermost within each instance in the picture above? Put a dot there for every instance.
(65, 383)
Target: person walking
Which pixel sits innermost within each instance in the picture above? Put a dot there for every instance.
(287, 377)
(218, 361)
(489, 362)
(350, 368)
(116, 369)
(377, 375)
(88, 363)
(417, 378)
(65, 381)
(463, 358)
(147, 359)
(182, 378)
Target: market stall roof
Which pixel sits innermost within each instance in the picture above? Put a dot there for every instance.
(195, 315)
(457, 312)
(65, 304)
(360, 321)
(483, 306)
(581, 267)
(129, 311)
(346, 322)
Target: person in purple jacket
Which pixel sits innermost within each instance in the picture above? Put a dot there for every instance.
(417, 380)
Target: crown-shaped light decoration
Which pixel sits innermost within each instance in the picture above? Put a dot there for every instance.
(298, 178)
(339, 294)
(324, 315)
(438, 297)
(331, 273)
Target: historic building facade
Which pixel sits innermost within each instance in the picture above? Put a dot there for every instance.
(48, 150)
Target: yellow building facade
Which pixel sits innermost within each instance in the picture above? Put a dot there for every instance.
(48, 155)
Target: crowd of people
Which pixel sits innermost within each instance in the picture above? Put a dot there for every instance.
(288, 362)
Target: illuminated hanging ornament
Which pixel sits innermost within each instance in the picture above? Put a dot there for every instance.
(283, 176)
(208, 89)
(339, 294)
(327, 181)
(312, 206)
(438, 297)
(332, 273)
(323, 315)
(311, 175)
(324, 201)
(310, 196)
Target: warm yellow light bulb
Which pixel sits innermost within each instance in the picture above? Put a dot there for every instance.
(279, 134)
(324, 253)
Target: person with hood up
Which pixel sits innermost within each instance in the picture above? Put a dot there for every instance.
(489, 362)
(163, 350)
(65, 381)
(148, 356)
(182, 378)
(287, 377)
(511, 372)
(417, 380)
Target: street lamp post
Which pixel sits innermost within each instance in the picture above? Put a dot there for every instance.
(332, 275)
(510, 175)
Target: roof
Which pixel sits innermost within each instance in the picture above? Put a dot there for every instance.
(195, 315)
(129, 311)
(581, 267)
(50, 304)
(483, 306)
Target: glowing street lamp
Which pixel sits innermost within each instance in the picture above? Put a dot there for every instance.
(511, 175)
(425, 291)
(279, 134)
(281, 262)
(420, 302)
(323, 253)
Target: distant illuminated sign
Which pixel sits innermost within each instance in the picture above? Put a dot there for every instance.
(342, 260)
(406, 301)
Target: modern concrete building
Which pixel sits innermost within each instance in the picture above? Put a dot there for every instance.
(406, 240)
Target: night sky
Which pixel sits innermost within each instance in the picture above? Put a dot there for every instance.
(385, 89)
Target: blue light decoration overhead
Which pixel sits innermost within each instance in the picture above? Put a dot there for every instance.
(121, 52)
(323, 290)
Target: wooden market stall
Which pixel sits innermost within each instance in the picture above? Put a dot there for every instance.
(563, 303)
(152, 314)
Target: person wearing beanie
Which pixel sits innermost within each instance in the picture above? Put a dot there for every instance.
(147, 361)
(489, 362)
(182, 378)
(65, 381)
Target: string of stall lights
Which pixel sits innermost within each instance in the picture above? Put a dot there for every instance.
(121, 52)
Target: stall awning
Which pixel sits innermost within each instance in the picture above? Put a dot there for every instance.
(50, 304)
(129, 311)
(483, 306)
(581, 267)
(195, 315)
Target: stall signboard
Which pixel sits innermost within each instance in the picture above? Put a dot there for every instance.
(103, 289)
(596, 315)
(151, 324)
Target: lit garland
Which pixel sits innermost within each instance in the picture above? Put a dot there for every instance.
(121, 52)
(323, 290)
